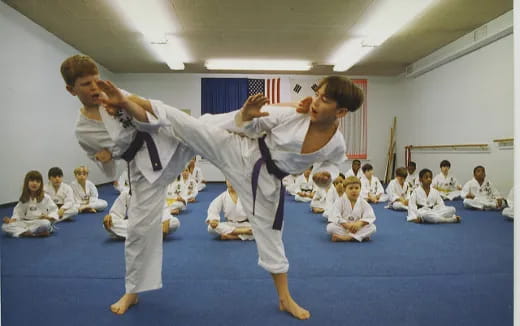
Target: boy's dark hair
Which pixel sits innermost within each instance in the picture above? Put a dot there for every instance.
(478, 167)
(343, 90)
(366, 167)
(76, 67)
(342, 175)
(423, 172)
(55, 172)
(401, 172)
(412, 163)
(445, 163)
(356, 161)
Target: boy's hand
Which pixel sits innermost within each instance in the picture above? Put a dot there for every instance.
(6, 220)
(213, 223)
(470, 196)
(103, 155)
(114, 99)
(252, 106)
(322, 179)
(107, 221)
(61, 211)
(499, 202)
(304, 105)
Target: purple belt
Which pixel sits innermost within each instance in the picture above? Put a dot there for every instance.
(137, 143)
(273, 170)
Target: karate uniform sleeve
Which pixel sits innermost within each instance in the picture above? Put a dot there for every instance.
(438, 199)
(495, 191)
(109, 168)
(215, 207)
(19, 211)
(380, 189)
(68, 202)
(154, 122)
(50, 207)
(331, 166)
(118, 209)
(257, 126)
(93, 192)
(412, 206)
(368, 213)
(392, 192)
(466, 189)
(336, 212)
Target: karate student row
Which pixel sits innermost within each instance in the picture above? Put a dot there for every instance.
(346, 202)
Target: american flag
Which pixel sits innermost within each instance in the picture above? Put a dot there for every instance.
(269, 87)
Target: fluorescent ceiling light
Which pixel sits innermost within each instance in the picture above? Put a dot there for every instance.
(156, 20)
(382, 19)
(253, 64)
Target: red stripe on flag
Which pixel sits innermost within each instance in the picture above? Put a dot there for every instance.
(272, 90)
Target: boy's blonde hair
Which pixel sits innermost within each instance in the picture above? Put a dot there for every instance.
(76, 67)
(352, 180)
(79, 169)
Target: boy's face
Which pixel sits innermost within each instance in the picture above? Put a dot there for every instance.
(81, 176)
(369, 173)
(480, 174)
(352, 190)
(34, 185)
(445, 169)
(356, 166)
(339, 188)
(87, 90)
(324, 109)
(185, 174)
(56, 180)
(400, 180)
(426, 180)
(411, 169)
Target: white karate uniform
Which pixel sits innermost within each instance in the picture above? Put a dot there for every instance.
(373, 187)
(236, 155)
(119, 214)
(189, 188)
(432, 208)
(320, 197)
(350, 173)
(28, 215)
(198, 177)
(122, 181)
(343, 212)
(88, 196)
(395, 191)
(447, 186)
(509, 211)
(289, 184)
(330, 199)
(63, 198)
(234, 214)
(303, 185)
(486, 195)
(143, 245)
(174, 191)
(413, 180)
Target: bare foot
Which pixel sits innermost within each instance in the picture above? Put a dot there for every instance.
(175, 211)
(458, 219)
(229, 237)
(337, 238)
(418, 220)
(166, 227)
(294, 309)
(126, 301)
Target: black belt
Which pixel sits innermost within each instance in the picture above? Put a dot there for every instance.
(273, 170)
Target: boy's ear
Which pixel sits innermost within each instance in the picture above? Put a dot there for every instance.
(341, 112)
(70, 89)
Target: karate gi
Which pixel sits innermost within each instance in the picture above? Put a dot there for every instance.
(395, 191)
(88, 196)
(198, 177)
(303, 185)
(373, 187)
(234, 214)
(412, 180)
(173, 192)
(236, 156)
(63, 198)
(350, 173)
(509, 211)
(330, 199)
(486, 195)
(28, 215)
(343, 212)
(320, 197)
(431, 208)
(447, 186)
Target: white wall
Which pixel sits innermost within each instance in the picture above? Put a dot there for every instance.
(38, 115)
(467, 101)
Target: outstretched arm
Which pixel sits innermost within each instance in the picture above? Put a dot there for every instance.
(136, 106)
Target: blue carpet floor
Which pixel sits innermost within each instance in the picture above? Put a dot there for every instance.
(409, 274)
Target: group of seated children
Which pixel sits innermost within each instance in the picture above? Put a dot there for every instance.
(40, 207)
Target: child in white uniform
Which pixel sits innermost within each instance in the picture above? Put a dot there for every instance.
(85, 193)
(412, 179)
(196, 174)
(397, 191)
(352, 218)
(371, 188)
(445, 183)
(479, 193)
(355, 170)
(35, 212)
(335, 192)
(426, 204)
(304, 186)
(61, 194)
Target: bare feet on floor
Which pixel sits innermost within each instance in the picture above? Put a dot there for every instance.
(126, 301)
(294, 309)
(337, 238)
(229, 237)
(458, 218)
(166, 227)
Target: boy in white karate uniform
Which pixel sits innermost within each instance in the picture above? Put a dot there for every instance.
(189, 187)
(174, 200)
(122, 183)
(35, 212)
(509, 211)
(426, 205)
(61, 194)
(371, 188)
(319, 200)
(412, 179)
(256, 166)
(445, 183)
(352, 218)
(116, 222)
(196, 174)
(355, 170)
(305, 187)
(236, 225)
(479, 193)
(107, 135)
(397, 191)
(85, 193)
(333, 194)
